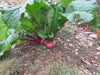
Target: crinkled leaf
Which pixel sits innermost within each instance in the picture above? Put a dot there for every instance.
(48, 16)
(83, 15)
(39, 9)
(84, 5)
(11, 16)
(26, 23)
(56, 17)
(85, 9)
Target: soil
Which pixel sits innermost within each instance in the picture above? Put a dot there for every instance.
(74, 45)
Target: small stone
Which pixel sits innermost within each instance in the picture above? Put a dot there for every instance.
(76, 53)
(98, 53)
(96, 65)
(68, 58)
(98, 48)
(94, 36)
(90, 44)
(96, 57)
(67, 40)
(65, 44)
(77, 36)
(66, 47)
(76, 50)
(71, 44)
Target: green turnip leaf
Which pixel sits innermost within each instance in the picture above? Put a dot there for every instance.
(83, 15)
(85, 9)
(2, 45)
(5, 45)
(65, 3)
(11, 16)
(3, 30)
(95, 21)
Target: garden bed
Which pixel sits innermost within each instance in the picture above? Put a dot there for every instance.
(76, 47)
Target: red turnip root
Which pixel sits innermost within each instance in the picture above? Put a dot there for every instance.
(43, 41)
(50, 44)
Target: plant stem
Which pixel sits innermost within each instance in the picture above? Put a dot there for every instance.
(26, 39)
(35, 18)
(28, 43)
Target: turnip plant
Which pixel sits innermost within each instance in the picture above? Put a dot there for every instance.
(38, 21)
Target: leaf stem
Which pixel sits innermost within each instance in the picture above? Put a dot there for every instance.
(28, 43)
(35, 18)
(26, 39)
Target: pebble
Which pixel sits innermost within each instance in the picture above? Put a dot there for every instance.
(94, 36)
(80, 35)
(76, 53)
(96, 57)
(71, 45)
(65, 47)
(76, 50)
(67, 40)
(98, 53)
(90, 44)
(98, 48)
